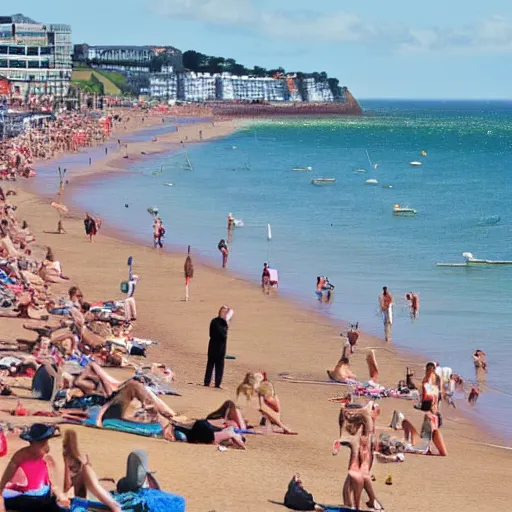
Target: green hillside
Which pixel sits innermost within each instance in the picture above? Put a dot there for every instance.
(91, 80)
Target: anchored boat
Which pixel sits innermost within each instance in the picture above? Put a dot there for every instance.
(371, 181)
(415, 164)
(323, 181)
(470, 260)
(304, 169)
(403, 211)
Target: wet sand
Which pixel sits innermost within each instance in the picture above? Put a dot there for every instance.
(269, 334)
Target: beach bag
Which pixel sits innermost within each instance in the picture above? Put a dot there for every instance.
(297, 498)
(136, 350)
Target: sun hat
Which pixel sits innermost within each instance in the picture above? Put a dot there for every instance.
(39, 432)
(137, 471)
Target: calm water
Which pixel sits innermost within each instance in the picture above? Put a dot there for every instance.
(347, 231)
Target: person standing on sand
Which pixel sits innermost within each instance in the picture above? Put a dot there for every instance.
(189, 273)
(223, 248)
(386, 309)
(158, 233)
(90, 227)
(217, 346)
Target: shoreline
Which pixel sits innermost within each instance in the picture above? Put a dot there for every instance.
(295, 339)
(113, 165)
(415, 357)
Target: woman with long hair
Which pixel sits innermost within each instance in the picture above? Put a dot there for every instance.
(79, 475)
(189, 272)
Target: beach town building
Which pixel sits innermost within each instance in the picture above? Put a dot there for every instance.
(35, 58)
(164, 85)
(316, 91)
(143, 59)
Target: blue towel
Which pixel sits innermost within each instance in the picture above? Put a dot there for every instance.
(145, 500)
(132, 427)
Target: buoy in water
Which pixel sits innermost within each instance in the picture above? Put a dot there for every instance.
(126, 205)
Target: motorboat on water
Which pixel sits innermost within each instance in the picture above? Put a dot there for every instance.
(470, 260)
(168, 184)
(403, 211)
(371, 181)
(304, 169)
(359, 171)
(323, 181)
(415, 164)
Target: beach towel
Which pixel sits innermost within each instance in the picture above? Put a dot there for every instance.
(132, 427)
(128, 427)
(145, 500)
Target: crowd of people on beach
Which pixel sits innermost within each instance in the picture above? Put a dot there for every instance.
(49, 137)
(76, 341)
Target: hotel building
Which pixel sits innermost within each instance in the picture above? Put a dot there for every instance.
(35, 58)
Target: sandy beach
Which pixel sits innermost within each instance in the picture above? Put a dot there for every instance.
(269, 334)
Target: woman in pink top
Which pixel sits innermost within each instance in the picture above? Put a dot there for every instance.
(26, 484)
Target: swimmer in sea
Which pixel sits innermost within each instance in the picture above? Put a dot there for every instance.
(414, 305)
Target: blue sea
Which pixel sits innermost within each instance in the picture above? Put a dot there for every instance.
(462, 193)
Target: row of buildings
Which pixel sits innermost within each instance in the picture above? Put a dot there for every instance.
(202, 87)
(34, 58)
(37, 59)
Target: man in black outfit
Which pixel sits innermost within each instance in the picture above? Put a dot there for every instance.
(217, 348)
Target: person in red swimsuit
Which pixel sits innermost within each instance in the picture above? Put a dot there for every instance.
(26, 484)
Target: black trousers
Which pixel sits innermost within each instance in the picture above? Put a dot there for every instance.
(215, 361)
(33, 504)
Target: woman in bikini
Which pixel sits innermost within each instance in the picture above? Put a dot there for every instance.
(79, 474)
(430, 388)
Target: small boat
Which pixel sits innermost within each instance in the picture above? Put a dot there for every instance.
(470, 260)
(371, 181)
(359, 171)
(415, 164)
(387, 186)
(323, 181)
(403, 211)
(304, 169)
(168, 185)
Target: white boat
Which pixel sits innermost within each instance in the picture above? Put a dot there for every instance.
(305, 169)
(403, 211)
(371, 181)
(323, 181)
(168, 184)
(415, 164)
(471, 260)
(387, 186)
(359, 171)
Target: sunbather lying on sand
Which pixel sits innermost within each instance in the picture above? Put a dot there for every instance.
(342, 372)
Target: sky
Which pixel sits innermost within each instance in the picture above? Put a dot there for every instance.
(441, 49)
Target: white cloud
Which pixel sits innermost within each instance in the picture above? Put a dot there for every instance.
(491, 35)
